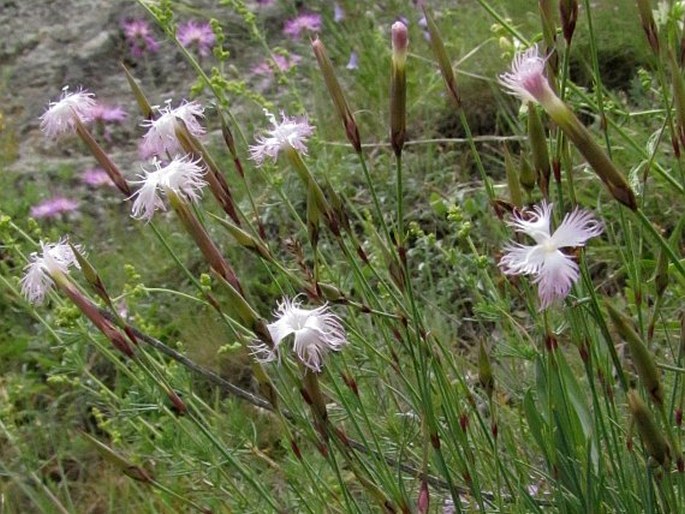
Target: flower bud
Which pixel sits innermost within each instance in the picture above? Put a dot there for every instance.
(398, 87)
(440, 54)
(337, 95)
(641, 356)
(538, 146)
(244, 239)
(651, 435)
(512, 179)
(527, 175)
(568, 11)
(141, 99)
(648, 24)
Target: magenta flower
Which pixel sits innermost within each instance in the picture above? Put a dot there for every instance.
(554, 271)
(526, 79)
(182, 176)
(353, 63)
(282, 62)
(54, 259)
(316, 333)
(160, 138)
(139, 37)
(306, 22)
(104, 113)
(96, 177)
(59, 117)
(289, 133)
(53, 207)
(196, 34)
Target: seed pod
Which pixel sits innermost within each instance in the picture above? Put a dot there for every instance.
(654, 441)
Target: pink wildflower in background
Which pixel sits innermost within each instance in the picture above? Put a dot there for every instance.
(54, 258)
(96, 177)
(182, 175)
(316, 333)
(281, 61)
(58, 119)
(53, 207)
(139, 37)
(104, 113)
(307, 22)
(198, 35)
(289, 133)
(160, 137)
(554, 271)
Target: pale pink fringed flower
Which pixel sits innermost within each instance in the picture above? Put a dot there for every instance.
(182, 175)
(59, 118)
(289, 133)
(554, 271)
(526, 79)
(316, 333)
(160, 138)
(54, 258)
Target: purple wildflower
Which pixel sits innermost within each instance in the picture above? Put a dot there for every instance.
(197, 34)
(96, 177)
(353, 63)
(139, 37)
(53, 207)
(306, 22)
(104, 113)
(282, 62)
(59, 118)
(338, 13)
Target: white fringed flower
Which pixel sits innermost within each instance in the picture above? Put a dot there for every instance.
(59, 118)
(289, 133)
(54, 258)
(317, 332)
(160, 139)
(554, 271)
(182, 176)
(527, 77)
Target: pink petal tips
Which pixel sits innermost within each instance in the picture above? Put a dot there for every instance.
(289, 133)
(554, 272)
(54, 258)
(59, 119)
(526, 79)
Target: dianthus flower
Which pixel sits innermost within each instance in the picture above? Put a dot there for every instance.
(53, 207)
(289, 133)
(196, 34)
(54, 259)
(182, 175)
(160, 138)
(307, 22)
(554, 271)
(59, 117)
(316, 333)
(527, 78)
(353, 63)
(139, 37)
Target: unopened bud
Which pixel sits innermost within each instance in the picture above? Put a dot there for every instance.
(538, 146)
(651, 435)
(568, 11)
(440, 54)
(139, 95)
(512, 179)
(334, 89)
(641, 356)
(648, 24)
(527, 175)
(398, 87)
(423, 503)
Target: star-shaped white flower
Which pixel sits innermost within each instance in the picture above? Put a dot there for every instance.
(289, 133)
(182, 176)
(527, 77)
(554, 271)
(160, 139)
(316, 332)
(59, 119)
(54, 258)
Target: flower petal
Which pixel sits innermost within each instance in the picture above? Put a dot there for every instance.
(537, 223)
(576, 228)
(522, 260)
(555, 278)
